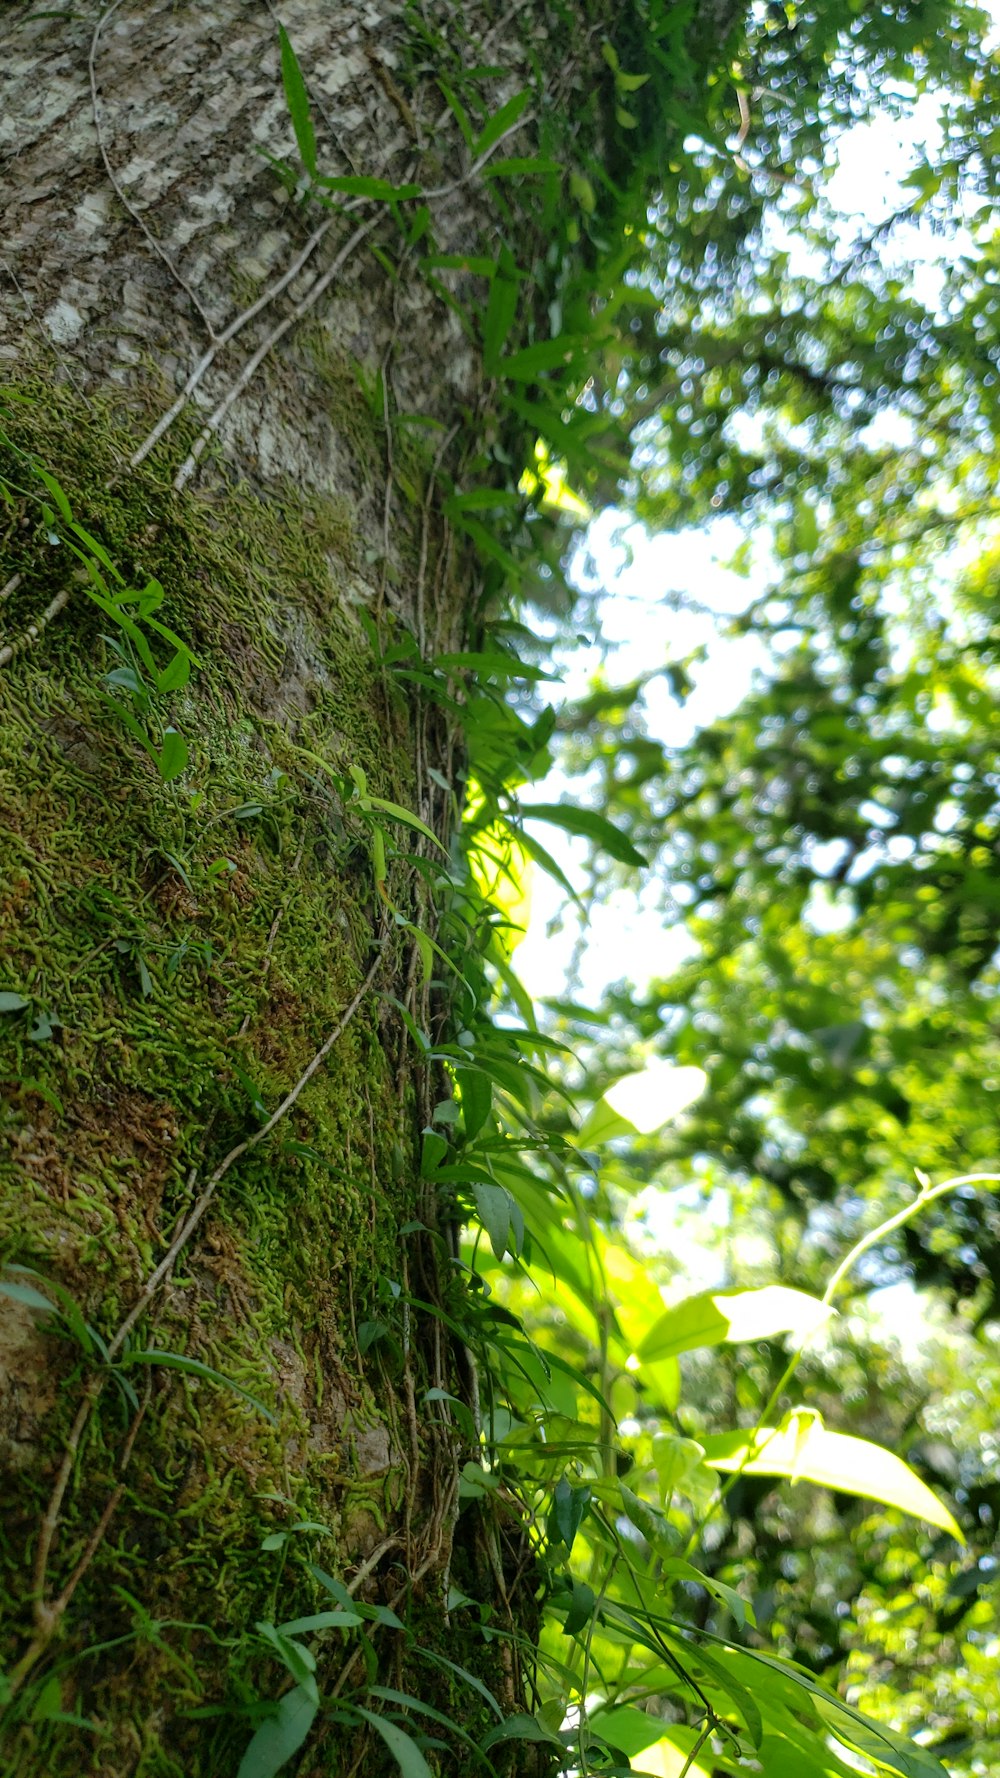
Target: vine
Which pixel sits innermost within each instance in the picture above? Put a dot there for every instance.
(521, 1440)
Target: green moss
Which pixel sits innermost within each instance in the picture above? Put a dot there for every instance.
(170, 933)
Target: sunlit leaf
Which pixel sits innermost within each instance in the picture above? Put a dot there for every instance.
(832, 1460)
(643, 1102)
(733, 1316)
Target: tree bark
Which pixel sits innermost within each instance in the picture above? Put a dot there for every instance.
(212, 1107)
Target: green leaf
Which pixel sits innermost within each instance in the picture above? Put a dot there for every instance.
(135, 728)
(175, 674)
(602, 1124)
(520, 1728)
(585, 824)
(632, 1732)
(675, 1567)
(732, 1316)
(172, 637)
(193, 1367)
(56, 491)
(532, 362)
(677, 1462)
(12, 1002)
(544, 859)
(581, 1607)
(467, 1678)
(504, 666)
(32, 1299)
(390, 1695)
(462, 1413)
(97, 549)
(475, 1481)
(629, 83)
(300, 1661)
(739, 1695)
(570, 1506)
(297, 100)
(320, 1620)
(794, 1687)
(398, 813)
(500, 311)
(640, 1103)
(660, 1534)
(795, 1752)
(173, 755)
(279, 1736)
(805, 1451)
(480, 500)
(875, 1741)
(476, 1092)
(68, 1308)
(493, 1207)
(432, 1152)
(458, 112)
(360, 186)
(403, 1748)
(502, 121)
(489, 545)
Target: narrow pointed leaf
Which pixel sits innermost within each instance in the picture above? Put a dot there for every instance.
(176, 1361)
(280, 1736)
(502, 121)
(297, 100)
(403, 1748)
(585, 824)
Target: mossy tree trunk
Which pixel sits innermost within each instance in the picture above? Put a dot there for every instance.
(261, 404)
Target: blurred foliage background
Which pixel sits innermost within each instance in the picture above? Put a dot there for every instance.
(820, 391)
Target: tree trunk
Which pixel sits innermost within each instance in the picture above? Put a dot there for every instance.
(213, 1104)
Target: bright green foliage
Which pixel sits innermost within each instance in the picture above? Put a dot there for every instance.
(831, 851)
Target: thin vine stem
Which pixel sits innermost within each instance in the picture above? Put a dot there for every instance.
(688, 1765)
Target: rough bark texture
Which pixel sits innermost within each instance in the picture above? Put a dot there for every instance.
(189, 946)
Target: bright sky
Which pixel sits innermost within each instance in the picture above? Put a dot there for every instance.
(626, 935)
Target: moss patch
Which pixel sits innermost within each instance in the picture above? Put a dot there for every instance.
(184, 948)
